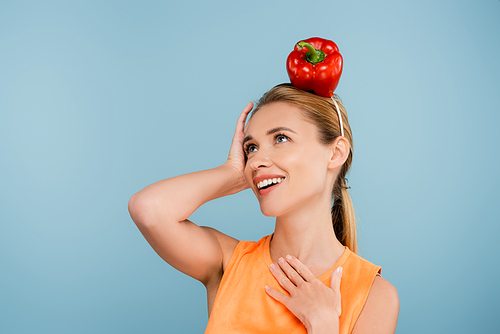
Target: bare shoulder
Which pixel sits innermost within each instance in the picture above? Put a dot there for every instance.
(226, 242)
(381, 310)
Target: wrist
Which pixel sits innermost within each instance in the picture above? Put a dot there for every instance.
(323, 325)
(236, 181)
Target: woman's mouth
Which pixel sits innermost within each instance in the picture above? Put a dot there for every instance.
(266, 185)
(269, 182)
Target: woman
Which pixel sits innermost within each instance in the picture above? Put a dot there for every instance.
(294, 155)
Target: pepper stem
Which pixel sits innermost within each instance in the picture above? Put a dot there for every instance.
(313, 56)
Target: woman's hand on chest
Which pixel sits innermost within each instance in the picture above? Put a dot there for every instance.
(312, 302)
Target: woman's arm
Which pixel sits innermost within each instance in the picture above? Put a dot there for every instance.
(161, 213)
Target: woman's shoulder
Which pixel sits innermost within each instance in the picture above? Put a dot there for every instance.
(384, 294)
(368, 293)
(381, 309)
(227, 244)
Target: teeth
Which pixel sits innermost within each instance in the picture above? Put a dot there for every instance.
(267, 182)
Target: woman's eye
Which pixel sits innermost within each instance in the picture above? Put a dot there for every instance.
(281, 138)
(250, 149)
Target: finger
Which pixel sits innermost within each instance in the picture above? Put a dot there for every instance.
(282, 279)
(300, 268)
(281, 297)
(335, 286)
(239, 130)
(290, 272)
(335, 281)
(243, 117)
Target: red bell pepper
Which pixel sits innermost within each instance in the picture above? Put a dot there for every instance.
(315, 64)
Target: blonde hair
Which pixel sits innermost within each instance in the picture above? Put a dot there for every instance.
(322, 112)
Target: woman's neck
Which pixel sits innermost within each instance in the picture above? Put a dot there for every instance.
(308, 237)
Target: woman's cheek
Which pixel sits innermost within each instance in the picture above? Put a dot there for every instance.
(247, 172)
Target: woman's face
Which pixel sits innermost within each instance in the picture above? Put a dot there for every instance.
(286, 164)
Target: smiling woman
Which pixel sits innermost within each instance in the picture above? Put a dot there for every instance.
(306, 276)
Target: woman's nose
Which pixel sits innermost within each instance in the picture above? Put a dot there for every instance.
(259, 160)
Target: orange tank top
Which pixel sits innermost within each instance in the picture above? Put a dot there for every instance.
(243, 306)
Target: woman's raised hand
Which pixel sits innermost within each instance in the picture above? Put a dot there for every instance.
(236, 158)
(316, 305)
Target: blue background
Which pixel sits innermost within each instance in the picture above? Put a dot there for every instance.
(99, 99)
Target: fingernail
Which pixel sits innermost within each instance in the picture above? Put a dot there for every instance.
(289, 257)
(267, 288)
(281, 260)
(339, 271)
(272, 266)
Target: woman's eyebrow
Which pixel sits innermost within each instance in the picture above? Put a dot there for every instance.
(270, 132)
(247, 138)
(278, 129)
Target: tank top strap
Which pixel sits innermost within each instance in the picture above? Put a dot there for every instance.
(358, 276)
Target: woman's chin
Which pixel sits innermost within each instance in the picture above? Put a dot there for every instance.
(269, 215)
(270, 212)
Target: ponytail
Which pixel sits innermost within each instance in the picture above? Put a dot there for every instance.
(343, 216)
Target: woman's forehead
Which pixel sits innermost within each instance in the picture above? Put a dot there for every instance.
(274, 114)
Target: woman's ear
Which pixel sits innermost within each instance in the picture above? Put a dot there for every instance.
(339, 149)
